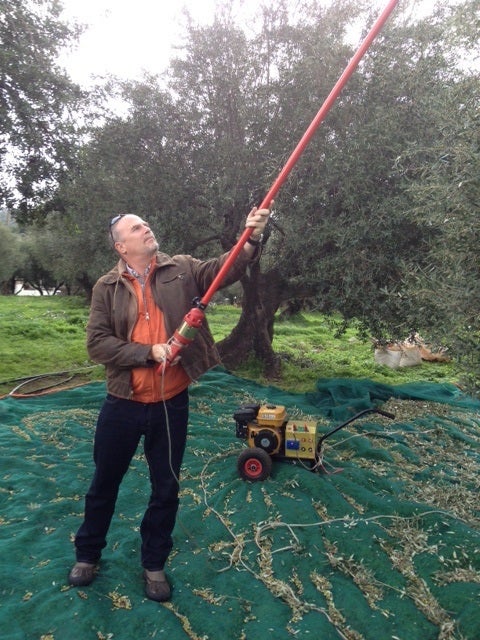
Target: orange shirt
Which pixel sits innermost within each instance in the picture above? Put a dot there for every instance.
(148, 385)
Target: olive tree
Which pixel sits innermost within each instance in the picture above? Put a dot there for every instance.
(37, 102)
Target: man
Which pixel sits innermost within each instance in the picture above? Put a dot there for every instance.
(135, 309)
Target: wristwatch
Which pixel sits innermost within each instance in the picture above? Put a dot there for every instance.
(255, 241)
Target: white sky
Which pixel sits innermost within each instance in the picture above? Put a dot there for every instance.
(126, 37)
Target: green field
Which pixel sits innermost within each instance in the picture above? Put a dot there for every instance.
(41, 335)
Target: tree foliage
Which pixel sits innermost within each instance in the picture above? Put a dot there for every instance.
(37, 128)
(443, 184)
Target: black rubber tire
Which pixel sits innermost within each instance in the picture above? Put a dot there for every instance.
(254, 464)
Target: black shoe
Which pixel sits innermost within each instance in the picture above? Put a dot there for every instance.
(158, 590)
(82, 574)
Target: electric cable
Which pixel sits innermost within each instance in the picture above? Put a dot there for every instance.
(24, 380)
(167, 419)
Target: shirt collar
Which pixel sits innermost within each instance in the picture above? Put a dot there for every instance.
(135, 274)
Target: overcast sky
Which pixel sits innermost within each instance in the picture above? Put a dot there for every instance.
(125, 37)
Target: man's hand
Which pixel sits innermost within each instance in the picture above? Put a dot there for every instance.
(161, 352)
(257, 219)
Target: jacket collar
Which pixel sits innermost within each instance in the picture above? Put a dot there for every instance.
(162, 260)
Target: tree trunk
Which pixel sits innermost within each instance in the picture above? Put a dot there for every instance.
(254, 331)
(7, 287)
(87, 285)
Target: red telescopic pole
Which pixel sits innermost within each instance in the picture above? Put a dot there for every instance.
(193, 319)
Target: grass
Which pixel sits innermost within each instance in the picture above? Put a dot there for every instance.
(42, 335)
(310, 349)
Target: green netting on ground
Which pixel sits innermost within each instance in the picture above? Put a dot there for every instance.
(384, 546)
(340, 398)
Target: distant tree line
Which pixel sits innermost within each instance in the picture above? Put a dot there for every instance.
(378, 222)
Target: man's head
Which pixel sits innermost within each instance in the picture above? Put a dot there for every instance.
(132, 238)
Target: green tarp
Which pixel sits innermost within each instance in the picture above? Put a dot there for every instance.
(382, 544)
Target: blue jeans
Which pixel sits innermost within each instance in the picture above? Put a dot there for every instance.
(120, 426)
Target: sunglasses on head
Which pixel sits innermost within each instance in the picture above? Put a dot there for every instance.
(114, 221)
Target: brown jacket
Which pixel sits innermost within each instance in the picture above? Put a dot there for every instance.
(175, 283)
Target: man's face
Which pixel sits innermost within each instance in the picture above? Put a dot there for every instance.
(134, 238)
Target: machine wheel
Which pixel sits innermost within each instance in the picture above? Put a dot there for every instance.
(254, 464)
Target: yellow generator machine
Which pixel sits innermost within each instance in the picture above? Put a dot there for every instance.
(270, 434)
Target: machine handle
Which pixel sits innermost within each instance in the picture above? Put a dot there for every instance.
(387, 414)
